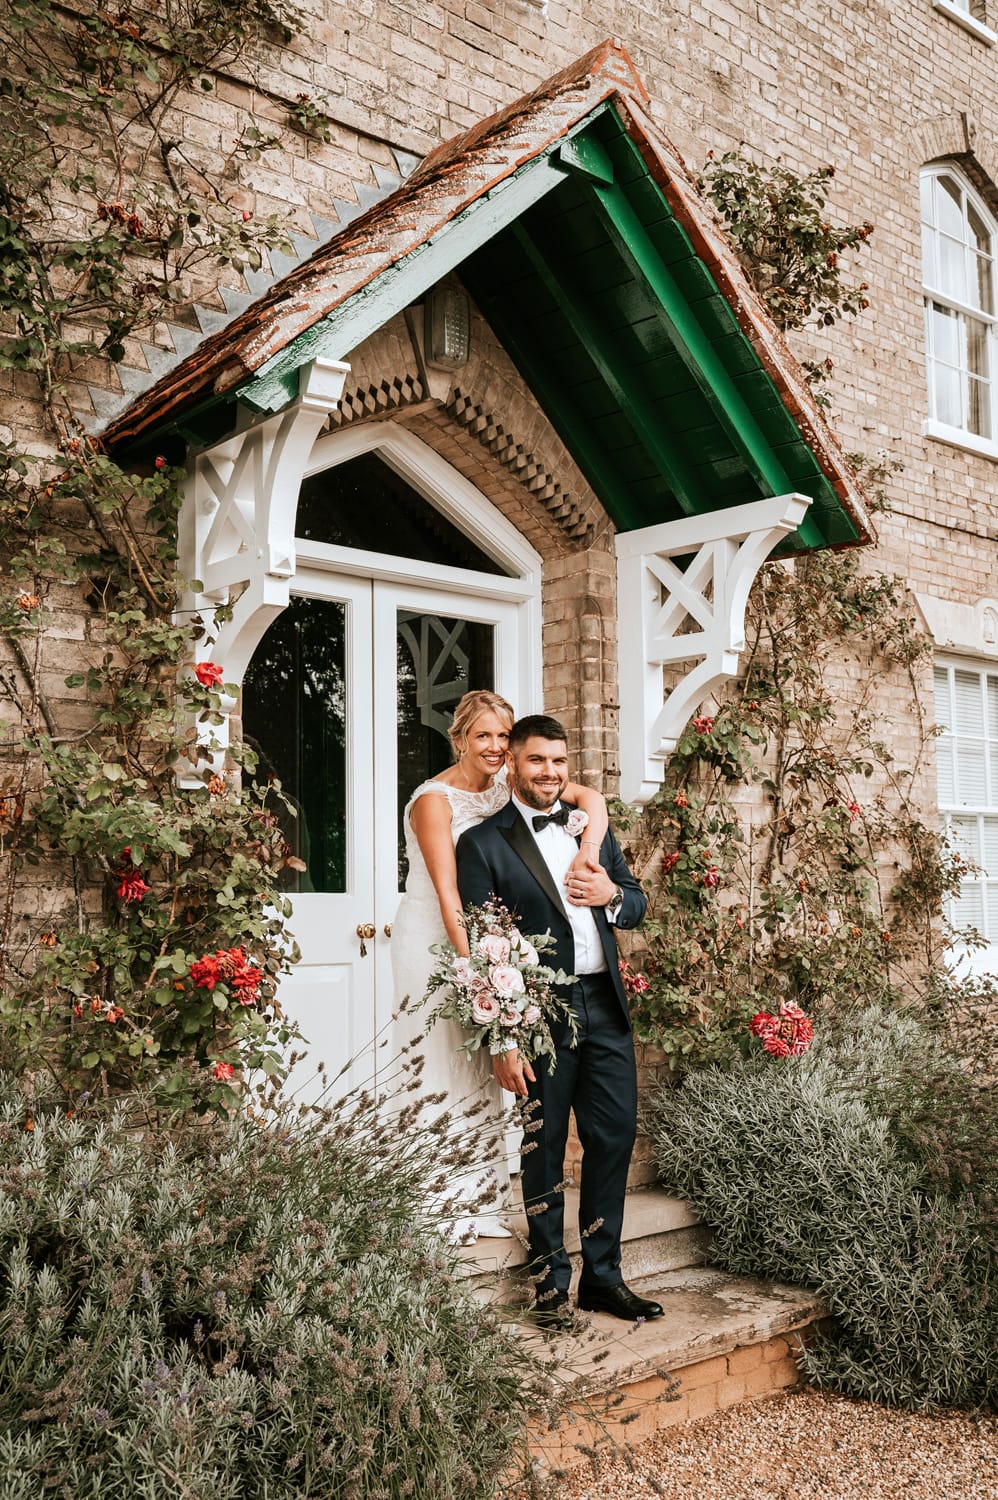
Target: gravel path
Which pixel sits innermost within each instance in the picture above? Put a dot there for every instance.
(805, 1445)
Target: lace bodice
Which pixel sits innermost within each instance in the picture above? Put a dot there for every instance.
(467, 809)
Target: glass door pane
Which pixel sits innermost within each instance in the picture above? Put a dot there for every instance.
(438, 659)
(295, 717)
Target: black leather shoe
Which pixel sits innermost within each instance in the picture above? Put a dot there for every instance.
(619, 1301)
(553, 1313)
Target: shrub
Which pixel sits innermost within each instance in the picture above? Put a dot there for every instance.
(242, 1308)
(806, 1175)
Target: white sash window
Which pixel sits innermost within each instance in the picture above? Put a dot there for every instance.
(958, 253)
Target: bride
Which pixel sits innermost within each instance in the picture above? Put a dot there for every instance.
(436, 815)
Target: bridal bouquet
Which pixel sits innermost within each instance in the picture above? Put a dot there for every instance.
(502, 994)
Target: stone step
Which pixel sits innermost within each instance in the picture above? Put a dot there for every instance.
(722, 1340)
(661, 1234)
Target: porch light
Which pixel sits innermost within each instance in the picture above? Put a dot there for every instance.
(447, 327)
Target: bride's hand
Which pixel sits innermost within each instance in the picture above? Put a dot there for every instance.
(586, 861)
(512, 1072)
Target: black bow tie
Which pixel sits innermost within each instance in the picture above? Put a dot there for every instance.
(543, 819)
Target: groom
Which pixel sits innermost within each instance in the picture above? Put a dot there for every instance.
(521, 855)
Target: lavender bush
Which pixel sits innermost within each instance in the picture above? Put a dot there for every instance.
(824, 1171)
(249, 1309)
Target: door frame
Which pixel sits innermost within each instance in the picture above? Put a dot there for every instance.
(512, 603)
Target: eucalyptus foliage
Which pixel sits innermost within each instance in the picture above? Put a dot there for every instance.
(252, 1309)
(808, 1171)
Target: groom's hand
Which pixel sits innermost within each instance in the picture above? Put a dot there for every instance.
(513, 1072)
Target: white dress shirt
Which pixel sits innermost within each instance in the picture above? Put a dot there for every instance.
(558, 848)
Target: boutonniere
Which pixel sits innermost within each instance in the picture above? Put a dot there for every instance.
(577, 823)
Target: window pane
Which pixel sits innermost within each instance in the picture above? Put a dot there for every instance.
(930, 271)
(985, 277)
(969, 703)
(944, 334)
(977, 348)
(949, 207)
(438, 660)
(989, 853)
(944, 772)
(991, 910)
(941, 684)
(971, 784)
(968, 909)
(364, 503)
(953, 268)
(946, 394)
(925, 187)
(979, 407)
(993, 706)
(980, 235)
(964, 835)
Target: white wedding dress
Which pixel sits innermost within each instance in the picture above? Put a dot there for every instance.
(447, 1067)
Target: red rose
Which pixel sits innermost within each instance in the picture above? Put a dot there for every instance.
(223, 1070)
(670, 861)
(704, 724)
(204, 972)
(208, 673)
(131, 886)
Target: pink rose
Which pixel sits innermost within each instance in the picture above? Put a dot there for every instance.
(578, 822)
(484, 1008)
(495, 948)
(527, 953)
(531, 1015)
(506, 980)
(462, 971)
(510, 1018)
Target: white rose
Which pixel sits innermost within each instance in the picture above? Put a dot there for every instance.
(527, 953)
(462, 971)
(531, 1015)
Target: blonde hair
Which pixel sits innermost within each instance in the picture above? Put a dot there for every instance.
(470, 708)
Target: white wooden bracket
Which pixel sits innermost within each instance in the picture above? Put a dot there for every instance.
(237, 527)
(670, 615)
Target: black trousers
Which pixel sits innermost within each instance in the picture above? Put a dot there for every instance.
(597, 1079)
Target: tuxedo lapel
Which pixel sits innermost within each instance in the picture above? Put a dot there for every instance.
(520, 839)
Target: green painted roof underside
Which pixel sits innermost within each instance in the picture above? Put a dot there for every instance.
(620, 331)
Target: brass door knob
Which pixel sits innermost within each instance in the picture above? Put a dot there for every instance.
(365, 930)
(388, 929)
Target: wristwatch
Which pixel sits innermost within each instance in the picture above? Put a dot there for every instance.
(615, 902)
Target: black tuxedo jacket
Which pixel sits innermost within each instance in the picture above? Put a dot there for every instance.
(500, 858)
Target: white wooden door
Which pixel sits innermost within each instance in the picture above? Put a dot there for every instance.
(349, 697)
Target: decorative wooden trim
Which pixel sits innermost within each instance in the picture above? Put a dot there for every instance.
(561, 505)
(658, 603)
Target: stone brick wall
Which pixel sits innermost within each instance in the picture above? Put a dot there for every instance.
(876, 90)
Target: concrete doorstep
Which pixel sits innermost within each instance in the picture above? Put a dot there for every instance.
(723, 1339)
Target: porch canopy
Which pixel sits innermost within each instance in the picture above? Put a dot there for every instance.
(581, 236)
(583, 240)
